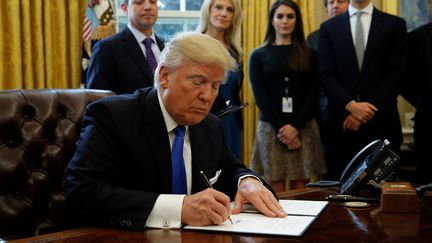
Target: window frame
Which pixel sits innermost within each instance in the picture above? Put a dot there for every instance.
(184, 15)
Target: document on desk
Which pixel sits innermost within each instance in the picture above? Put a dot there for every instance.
(301, 214)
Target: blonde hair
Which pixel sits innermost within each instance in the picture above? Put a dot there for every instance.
(232, 34)
(197, 48)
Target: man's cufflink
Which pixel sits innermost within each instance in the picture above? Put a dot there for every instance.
(166, 223)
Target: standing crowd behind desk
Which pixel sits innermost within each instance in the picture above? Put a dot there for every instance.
(358, 64)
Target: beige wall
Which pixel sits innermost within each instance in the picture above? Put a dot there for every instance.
(405, 109)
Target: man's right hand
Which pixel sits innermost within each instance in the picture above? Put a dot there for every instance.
(362, 111)
(205, 208)
(351, 123)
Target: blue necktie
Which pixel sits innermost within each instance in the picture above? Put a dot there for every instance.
(151, 59)
(179, 185)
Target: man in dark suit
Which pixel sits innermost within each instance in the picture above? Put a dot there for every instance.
(334, 7)
(417, 88)
(121, 62)
(360, 70)
(122, 173)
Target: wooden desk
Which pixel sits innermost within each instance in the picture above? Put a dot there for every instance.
(335, 224)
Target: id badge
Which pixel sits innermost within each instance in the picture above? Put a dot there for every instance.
(287, 105)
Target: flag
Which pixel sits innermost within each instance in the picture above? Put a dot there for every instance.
(87, 29)
(99, 22)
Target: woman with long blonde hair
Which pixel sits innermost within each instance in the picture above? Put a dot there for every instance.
(221, 19)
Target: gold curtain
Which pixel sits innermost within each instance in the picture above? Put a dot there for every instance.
(40, 43)
(253, 32)
(308, 11)
(391, 6)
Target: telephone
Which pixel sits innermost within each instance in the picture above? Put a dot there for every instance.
(374, 163)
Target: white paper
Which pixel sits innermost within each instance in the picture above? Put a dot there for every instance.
(303, 207)
(294, 207)
(260, 224)
(301, 213)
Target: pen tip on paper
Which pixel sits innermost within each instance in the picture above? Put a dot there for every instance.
(230, 219)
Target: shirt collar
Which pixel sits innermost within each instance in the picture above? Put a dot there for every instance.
(139, 36)
(368, 9)
(169, 121)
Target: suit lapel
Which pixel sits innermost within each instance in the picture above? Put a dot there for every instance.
(160, 42)
(347, 39)
(198, 160)
(155, 129)
(347, 36)
(135, 52)
(373, 37)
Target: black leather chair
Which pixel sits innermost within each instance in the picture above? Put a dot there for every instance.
(38, 131)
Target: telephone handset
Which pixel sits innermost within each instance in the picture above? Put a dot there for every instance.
(358, 158)
(376, 162)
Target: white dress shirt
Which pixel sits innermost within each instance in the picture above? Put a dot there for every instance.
(365, 18)
(166, 212)
(139, 36)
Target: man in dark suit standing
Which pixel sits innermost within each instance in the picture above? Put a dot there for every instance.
(417, 88)
(122, 63)
(334, 7)
(122, 173)
(362, 56)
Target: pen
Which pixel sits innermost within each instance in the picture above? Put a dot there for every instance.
(350, 198)
(207, 182)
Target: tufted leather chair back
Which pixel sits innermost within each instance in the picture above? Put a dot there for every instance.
(38, 131)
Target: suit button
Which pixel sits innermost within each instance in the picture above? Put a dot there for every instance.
(128, 223)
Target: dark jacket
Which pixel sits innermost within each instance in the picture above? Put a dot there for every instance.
(118, 64)
(123, 160)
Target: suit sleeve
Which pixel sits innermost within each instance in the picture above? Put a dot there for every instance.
(327, 69)
(410, 86)
(94, 191)
(208, 139)
(394, 66)
(100, 74)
